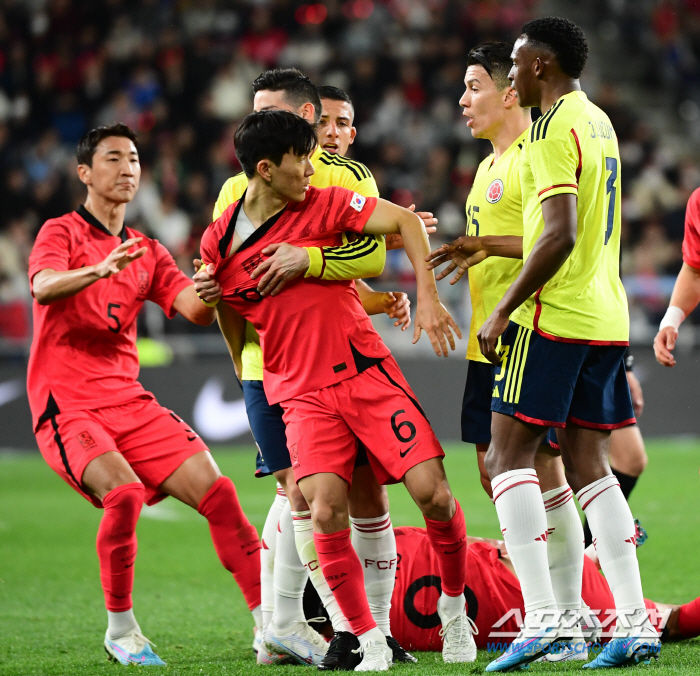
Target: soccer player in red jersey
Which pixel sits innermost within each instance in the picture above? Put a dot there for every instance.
(95, 425)
(686, 292)
(330, 371)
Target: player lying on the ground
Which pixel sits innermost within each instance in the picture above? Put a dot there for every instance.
(494, 599)
(494, 207)
(95, 425)
(330, 370)
(287, 538)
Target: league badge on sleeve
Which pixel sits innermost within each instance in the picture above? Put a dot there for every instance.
(494, 191)
(357, 201)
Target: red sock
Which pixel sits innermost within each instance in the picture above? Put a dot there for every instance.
(235, 539)
(343, 572)
(116, 544)
(449, 542)
(689, 619)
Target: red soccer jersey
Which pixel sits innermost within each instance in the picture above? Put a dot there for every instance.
(691, 240)
(84, 351)
(491, 590)
(315, 333)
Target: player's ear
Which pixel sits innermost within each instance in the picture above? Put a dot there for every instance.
(308, 112)
(510, 97)
(264, 169)
(353, 133)
(85, 174)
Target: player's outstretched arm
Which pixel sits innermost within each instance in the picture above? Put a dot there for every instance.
(466, 252)
(551, 250)
(429, 221)
(431, 315)
(394, 303)
(49, 285)
(684, 299)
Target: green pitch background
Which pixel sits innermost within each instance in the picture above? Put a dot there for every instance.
(52, 619)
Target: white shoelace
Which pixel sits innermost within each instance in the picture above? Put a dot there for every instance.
(466, 631)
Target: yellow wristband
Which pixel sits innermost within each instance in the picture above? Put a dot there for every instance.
(315, 262)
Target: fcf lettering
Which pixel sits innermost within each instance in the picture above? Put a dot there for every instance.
(381, 565)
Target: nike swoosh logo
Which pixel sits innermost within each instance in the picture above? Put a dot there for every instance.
(129, 565)
(403, 454)
(254, 551)
(192, 438)
(338, 585)
(215, 418)
(454, 551)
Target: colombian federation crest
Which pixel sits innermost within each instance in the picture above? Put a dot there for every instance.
(495, 191)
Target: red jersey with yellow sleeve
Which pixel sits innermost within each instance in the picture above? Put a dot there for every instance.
(314, 332)
(83, 355)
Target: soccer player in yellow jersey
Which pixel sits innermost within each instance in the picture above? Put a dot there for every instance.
(561, 354)
(288, 89)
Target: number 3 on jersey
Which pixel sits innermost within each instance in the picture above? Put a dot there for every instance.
(610, 189)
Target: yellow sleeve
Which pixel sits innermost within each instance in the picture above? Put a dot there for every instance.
(555, 162)
(363, 257)
(231, 191)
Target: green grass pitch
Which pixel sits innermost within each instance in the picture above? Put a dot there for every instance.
(52, 618)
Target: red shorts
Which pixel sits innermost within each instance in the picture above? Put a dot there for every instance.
(152, 439)
(377, 407)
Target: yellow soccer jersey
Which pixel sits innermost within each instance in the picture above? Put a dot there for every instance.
(363, 257)
(494, 207)
(572, 148)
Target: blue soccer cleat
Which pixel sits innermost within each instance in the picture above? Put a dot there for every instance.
(527, 647)
(625, 651)
(134, 648)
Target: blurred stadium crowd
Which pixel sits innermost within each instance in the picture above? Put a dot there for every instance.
(179, 72)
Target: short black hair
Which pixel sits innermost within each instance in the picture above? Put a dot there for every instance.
(563, 38)
(495, 59)
(334, 94)
(269, 135)
(298, 89)
(90, 141)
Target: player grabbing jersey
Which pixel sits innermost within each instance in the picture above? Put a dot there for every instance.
(95, 425)
(330, 370)
(287, 536)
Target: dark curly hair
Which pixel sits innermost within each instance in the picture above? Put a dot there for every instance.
(495, 59)
(563, 38)
(298, 89)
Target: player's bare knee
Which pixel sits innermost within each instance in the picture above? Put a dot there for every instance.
(296, 499)
(328, 517)
(437, 504)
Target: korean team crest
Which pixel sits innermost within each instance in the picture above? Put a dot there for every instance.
(494, 191)
(357, 201)
(143, 282)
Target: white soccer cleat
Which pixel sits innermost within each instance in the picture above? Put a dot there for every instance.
(571, 650)
(269, 658)
(303, 644)
(134, 648)
(376, 656)
(457, 633)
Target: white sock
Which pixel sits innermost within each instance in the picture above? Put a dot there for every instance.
(258, 617)
(121, 624)
(290, 574)
(524, 526)
(374, 634)
(375, 544)
(304, 535)
(564, 547)
(267, 556)
(612, 527)
(451, 606)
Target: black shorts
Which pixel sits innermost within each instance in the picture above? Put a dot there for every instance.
(269, 432)
(552, 383)
(476, 404)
